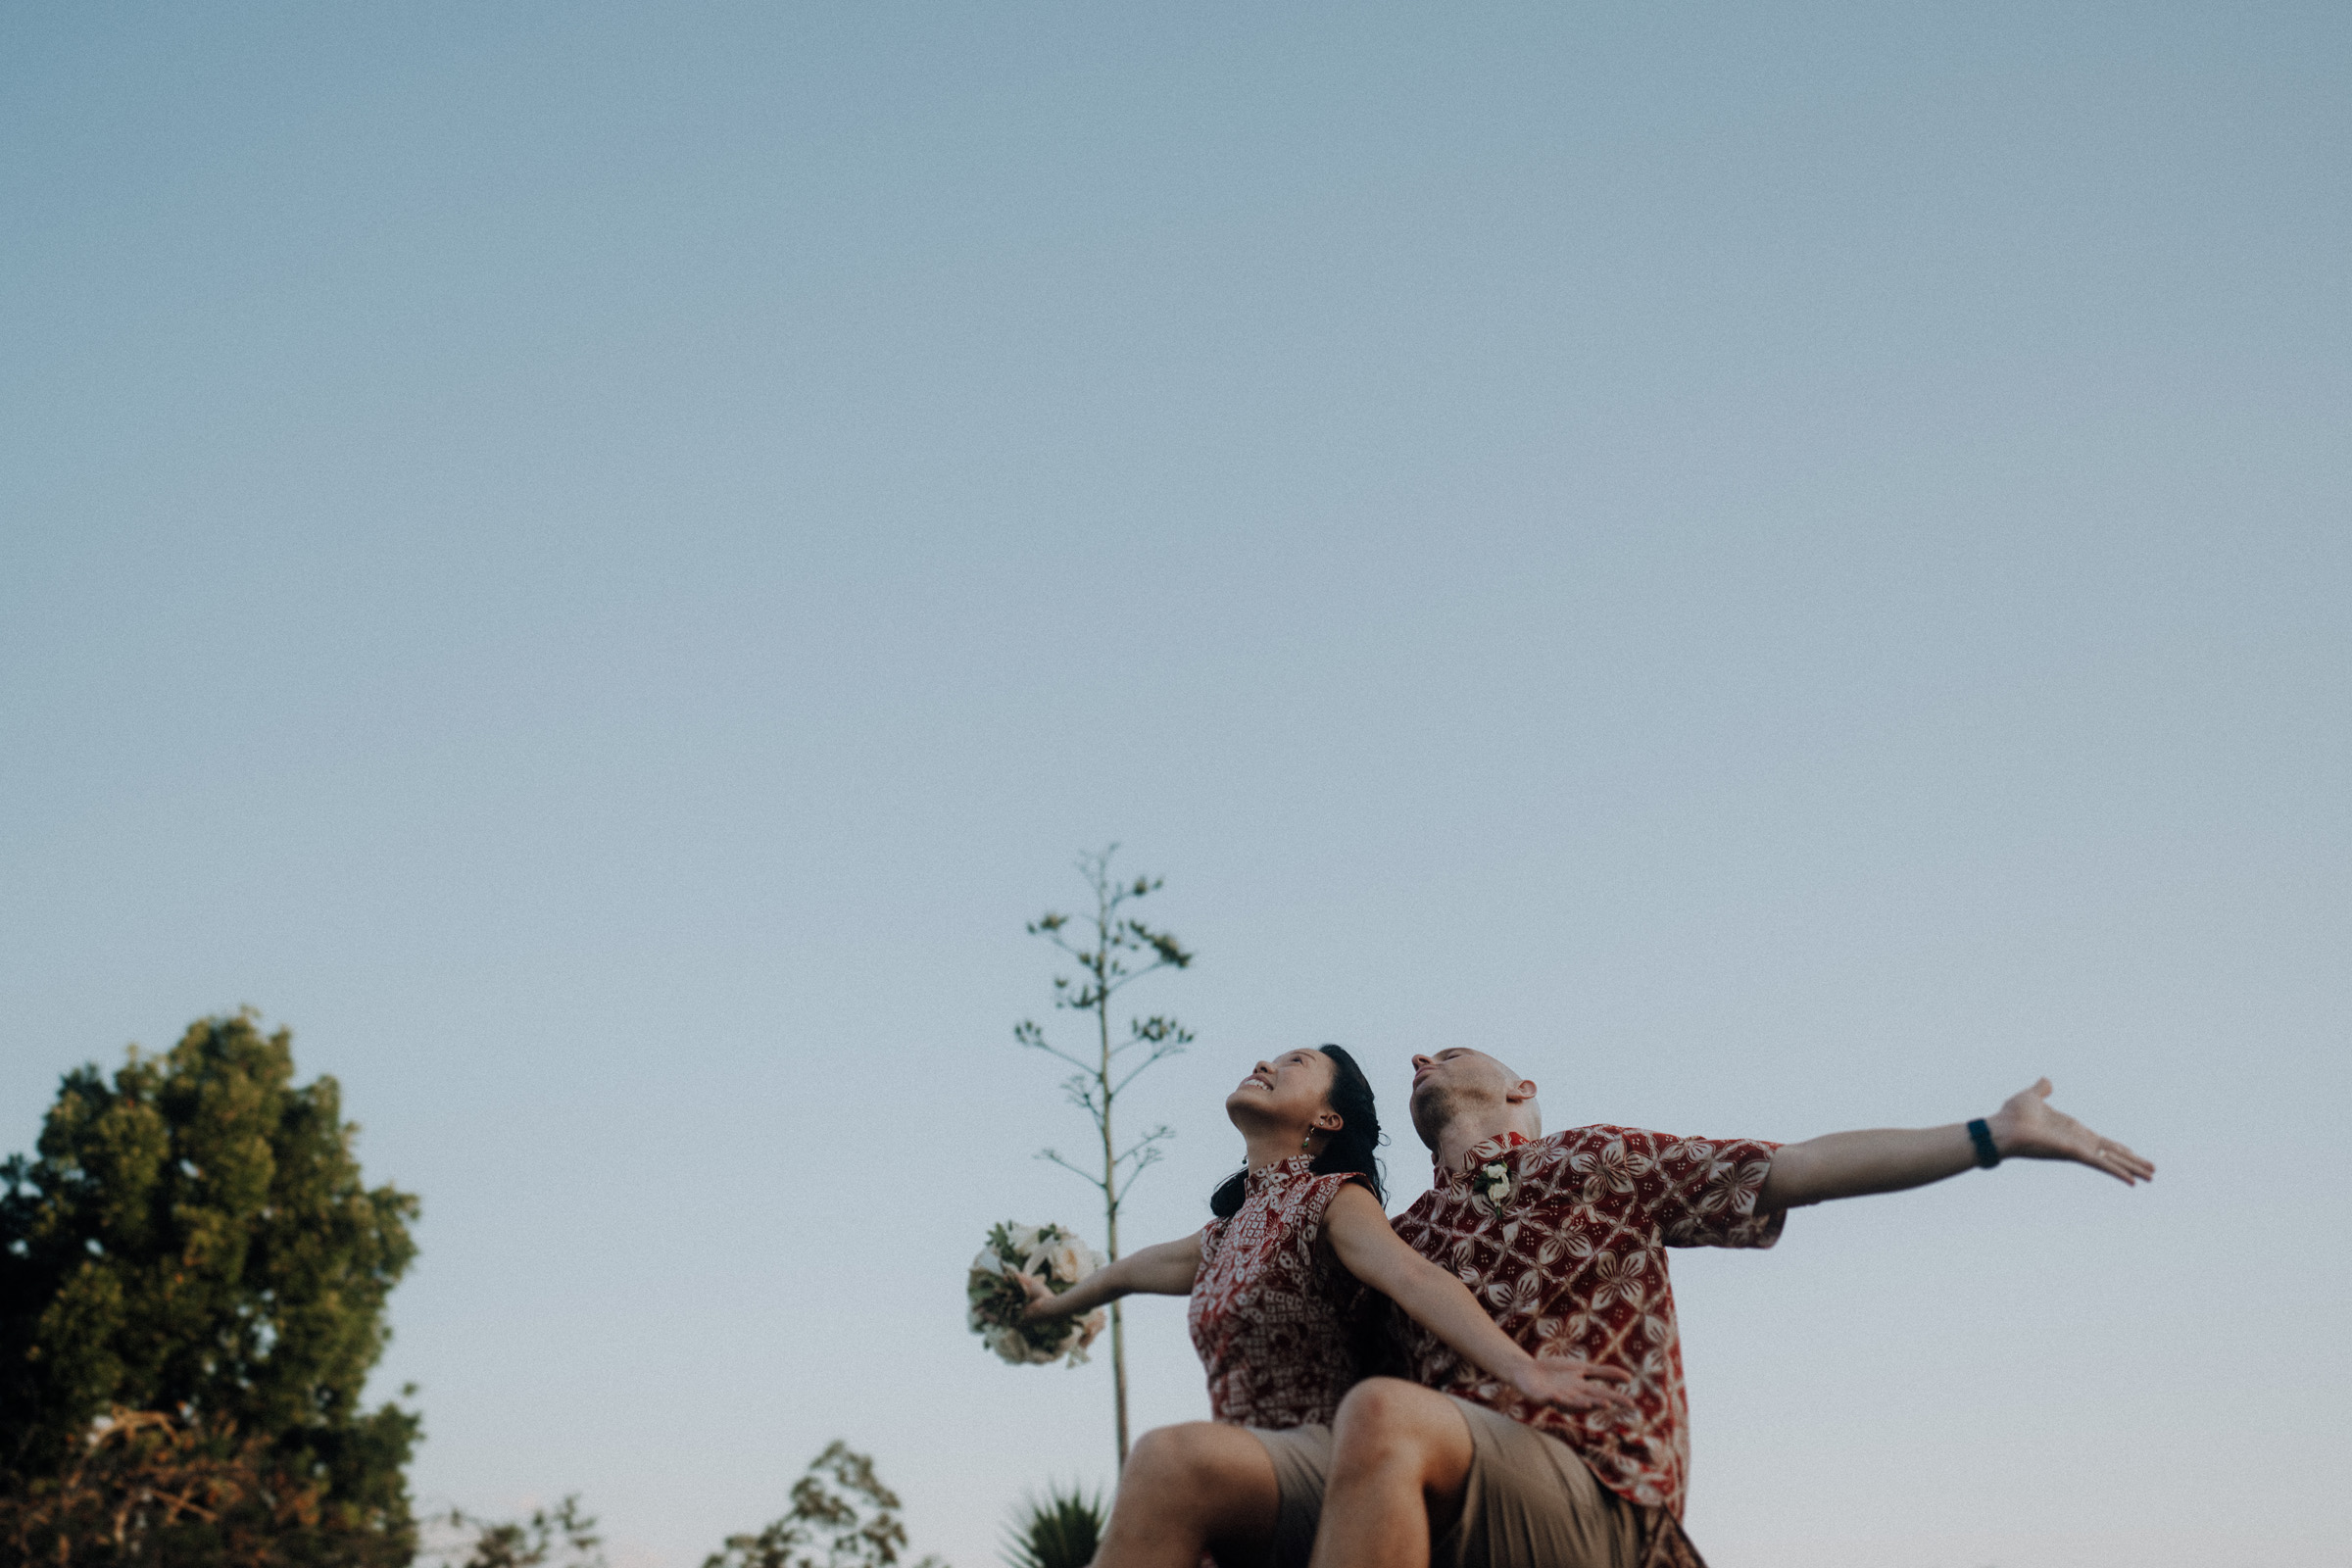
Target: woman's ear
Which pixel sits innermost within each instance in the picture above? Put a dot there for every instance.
(1330, 1121)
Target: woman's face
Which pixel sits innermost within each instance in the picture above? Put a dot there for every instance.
(1293, 1089)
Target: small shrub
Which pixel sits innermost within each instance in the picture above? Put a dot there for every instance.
(533, 1543)
(842, 1517)
(1060, 1530)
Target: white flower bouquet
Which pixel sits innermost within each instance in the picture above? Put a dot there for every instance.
(1050, 1254)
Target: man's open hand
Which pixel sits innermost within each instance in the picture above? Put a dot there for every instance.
(1568, 1384)
(2029, 1127)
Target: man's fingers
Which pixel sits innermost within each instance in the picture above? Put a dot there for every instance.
(2120, 1163)
(2046, 1132)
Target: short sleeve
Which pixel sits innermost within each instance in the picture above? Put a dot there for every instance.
(1709, 1188)
(1696, 1192)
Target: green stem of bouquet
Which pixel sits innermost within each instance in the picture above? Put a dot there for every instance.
(1122, 950)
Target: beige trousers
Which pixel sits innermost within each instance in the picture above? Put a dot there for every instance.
(1529, 1501)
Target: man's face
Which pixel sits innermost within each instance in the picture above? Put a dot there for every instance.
(1453, 1081)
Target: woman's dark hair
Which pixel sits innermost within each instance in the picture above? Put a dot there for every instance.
(1350, 1151)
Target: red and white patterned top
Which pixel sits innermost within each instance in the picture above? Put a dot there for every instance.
(1572, 1261)
(1278, 1320)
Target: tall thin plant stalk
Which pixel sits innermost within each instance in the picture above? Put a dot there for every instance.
(1112, 950)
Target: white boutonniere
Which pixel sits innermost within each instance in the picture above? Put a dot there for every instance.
(1493, 1183)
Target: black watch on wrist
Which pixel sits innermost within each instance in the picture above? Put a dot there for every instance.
(1980, 1133)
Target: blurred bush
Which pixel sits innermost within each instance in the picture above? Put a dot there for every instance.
(1060, 1530)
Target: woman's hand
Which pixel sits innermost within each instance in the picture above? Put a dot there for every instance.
(1571, 1384)
(1441, 1304)
(1043, 1303)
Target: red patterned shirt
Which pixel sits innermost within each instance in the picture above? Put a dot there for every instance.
(1277, 1319)
(1564, 1240)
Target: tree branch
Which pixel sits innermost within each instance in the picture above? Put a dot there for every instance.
(1060, 1054)
(1091, 1179)
(1157, 1054)
(1144, 1148)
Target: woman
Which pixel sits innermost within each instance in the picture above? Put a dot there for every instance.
(1281, 1279)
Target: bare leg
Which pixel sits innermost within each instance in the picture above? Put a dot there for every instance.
(1191, 1488)
(1399, 1464)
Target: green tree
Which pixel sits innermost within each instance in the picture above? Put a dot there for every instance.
(144, 1490)
(533, 1543)
(842, 1517)
(194, 1238)
(1113, 950)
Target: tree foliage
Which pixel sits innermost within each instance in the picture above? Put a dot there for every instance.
(145, 1490)
(193, 1238)
(563, 1532)
(842, 1517)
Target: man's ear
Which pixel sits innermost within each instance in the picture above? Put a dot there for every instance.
(1523, 1090)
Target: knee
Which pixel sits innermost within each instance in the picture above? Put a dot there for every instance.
(1178, 1482)
(1380, 1403)
(1381, 1418)
(1177, 1457)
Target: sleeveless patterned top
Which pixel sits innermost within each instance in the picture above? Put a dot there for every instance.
(1279, 1322)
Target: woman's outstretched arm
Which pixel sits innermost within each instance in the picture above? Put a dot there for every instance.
(1163, 1270)
(1374, 1253)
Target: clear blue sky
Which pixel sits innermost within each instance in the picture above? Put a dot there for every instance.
(1783, 568)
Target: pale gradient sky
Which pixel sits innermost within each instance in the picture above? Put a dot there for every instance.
(1786, 568)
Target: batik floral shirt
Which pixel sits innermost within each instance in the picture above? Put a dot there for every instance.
(1563, 1239)
(1278, 1323)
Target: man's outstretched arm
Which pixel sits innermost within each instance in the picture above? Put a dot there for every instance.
(1889, 1160)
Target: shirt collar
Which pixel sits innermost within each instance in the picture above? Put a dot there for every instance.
(1492, 1149)
(1281, 1171)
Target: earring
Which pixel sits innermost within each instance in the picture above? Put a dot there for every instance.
(1306, 1139)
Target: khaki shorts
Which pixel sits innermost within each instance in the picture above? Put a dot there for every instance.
(1529, 1501)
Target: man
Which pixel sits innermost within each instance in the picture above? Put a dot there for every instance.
(1563, 1239)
